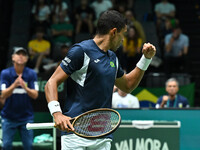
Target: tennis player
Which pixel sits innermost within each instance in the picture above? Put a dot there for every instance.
(92, 69)
(19, 86)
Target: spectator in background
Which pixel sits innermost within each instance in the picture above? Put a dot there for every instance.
(41, 14)
(19, 86)
(170, 24)
(172, 99)
(121, 7)
(84, 18)
(62, 31)
(163, 10)
(60, 56)
(100, 6)
(39, 50)
(127, 3)
(58, 7)
(133, 22)
(176, 50)
(121, 99)
(132, 45)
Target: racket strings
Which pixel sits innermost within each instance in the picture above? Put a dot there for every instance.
(96, 123)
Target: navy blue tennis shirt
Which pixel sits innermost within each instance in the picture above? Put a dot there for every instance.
(92, 76)
(18, 106)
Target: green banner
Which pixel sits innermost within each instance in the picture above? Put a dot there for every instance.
(152, 94)
(157, 137)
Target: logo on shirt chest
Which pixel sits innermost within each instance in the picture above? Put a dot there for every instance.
(112, 64)
(96, 61)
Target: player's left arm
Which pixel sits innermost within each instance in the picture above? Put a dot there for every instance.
(128, 82)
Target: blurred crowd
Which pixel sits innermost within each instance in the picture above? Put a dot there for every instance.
(58, 23)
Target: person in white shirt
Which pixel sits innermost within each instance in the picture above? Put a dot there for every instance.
(121, 99)
(99, 6)
(164, 9)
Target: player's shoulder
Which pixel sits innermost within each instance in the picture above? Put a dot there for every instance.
(83, 47)
(86, 44)
(76, 49)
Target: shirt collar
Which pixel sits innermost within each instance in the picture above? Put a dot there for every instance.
(14, 74)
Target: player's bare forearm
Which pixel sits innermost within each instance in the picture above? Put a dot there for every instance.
(57, 78)
(128, 82)
(51, 92)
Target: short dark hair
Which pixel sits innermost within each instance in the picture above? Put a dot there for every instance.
(108, 20)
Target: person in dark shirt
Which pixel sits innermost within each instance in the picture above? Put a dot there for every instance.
(91, 69)
(84, 18)
(172, 98)
(18, 86)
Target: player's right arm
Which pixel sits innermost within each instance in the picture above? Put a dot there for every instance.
(62, 122)
(72, 62)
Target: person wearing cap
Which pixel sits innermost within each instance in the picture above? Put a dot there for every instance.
(18, 86)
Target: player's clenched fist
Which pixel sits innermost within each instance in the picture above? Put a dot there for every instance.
(148, 50)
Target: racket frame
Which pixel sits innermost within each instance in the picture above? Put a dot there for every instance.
(73, 120)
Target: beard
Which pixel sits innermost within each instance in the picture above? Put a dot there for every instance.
(114, 49)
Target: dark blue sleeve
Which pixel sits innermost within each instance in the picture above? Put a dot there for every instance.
(5, 79)
(73, 61)
(33, 80)
(159, 100)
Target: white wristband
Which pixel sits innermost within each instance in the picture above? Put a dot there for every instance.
(143, 63)
(54, 106)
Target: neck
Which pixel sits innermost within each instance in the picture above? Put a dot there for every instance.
(19, 69)
(102, 41)
(121, 93)
(39, 39)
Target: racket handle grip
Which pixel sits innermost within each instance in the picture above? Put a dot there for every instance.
(30, 126)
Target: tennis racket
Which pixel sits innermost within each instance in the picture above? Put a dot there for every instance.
(91, 124)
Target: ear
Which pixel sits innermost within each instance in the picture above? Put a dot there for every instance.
(113, 31)
(13, 57)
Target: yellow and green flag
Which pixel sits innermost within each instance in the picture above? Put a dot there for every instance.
(149, 96)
